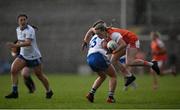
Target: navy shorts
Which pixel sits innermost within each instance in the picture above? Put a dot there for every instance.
(98, 62)
(31, 63)
(122, 60)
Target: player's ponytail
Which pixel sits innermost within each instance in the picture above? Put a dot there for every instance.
(35, 27)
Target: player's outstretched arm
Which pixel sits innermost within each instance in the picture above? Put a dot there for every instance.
(26, 43)
(87, 38)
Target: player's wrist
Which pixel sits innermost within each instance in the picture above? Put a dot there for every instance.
(17, 45)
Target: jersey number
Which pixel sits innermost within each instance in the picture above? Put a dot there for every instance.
(93, 42)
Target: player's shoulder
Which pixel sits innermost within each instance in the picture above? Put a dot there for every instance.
(29, 27)
(116, 34)
(160, 42)
(18, 28)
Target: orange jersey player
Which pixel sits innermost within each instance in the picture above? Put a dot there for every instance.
(128, 44)
(128, 75)
(129, 37)
(159, 54)
(158, 49)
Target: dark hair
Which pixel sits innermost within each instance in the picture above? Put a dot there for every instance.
(98, 22)
(101, 27)
(24, 15)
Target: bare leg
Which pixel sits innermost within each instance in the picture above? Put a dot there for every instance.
(115, 61)
(41, 76)
(155, 81)
(25, 72)
(97, 83)
(132, 61)
(113, 79)
(28, 80)
(16, 67)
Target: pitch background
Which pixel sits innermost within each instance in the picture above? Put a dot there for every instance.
(70, 92)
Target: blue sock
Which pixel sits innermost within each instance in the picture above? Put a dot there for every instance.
(15, 88)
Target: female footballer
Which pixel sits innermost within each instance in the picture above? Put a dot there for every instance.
(29, 56)
(126, 73)
(25, 71)
(98, 62)
(128, 44)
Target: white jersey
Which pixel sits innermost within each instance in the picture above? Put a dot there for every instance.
(95, 45)
(30, 52)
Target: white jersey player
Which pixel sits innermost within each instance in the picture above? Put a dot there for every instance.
(98, 62)
(29, 56)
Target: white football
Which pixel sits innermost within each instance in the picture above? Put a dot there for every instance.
(112, 45)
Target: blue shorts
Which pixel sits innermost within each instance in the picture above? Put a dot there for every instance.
(122, 60)
(98, 62)
(31, 63)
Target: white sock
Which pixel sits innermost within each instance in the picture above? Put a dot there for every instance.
(129, 75)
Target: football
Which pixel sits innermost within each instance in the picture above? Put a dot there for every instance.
(112, 45)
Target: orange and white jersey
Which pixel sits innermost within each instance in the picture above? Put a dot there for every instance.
(156, 46)
(129, 37)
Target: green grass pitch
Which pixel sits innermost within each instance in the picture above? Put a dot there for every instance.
(70, 91)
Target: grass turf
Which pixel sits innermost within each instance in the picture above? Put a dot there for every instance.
(70, 91)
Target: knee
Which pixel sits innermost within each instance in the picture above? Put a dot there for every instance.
(25, 74)
(103, 77)
(39, 75)
(113, 76)
(14, 71)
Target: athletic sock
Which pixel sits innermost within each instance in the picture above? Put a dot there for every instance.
(49, 90)
(93, 91)
(14, 89)
(111, 94)
(129, 75)
(146, 63)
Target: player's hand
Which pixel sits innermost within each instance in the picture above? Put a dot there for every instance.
(84, 45)
(11, 45)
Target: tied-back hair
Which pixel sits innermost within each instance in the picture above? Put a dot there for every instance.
(101, 27)
(35, 27)
(98, 22)
(156, 33)
(24, 15)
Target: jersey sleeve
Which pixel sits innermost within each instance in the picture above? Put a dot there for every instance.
(160, 44)
(116, 36)
(17, 33)
(29, 34)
